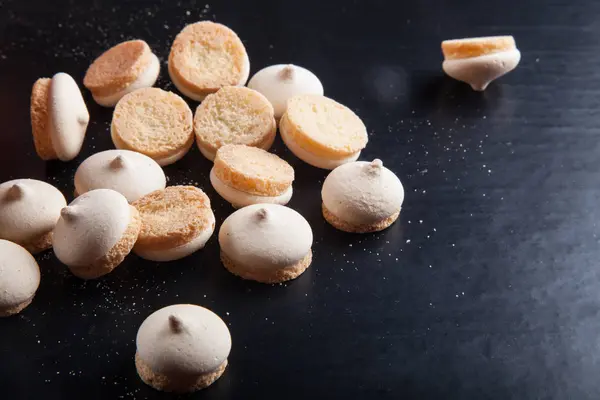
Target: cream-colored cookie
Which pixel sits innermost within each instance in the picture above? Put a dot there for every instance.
(59, 117)
(182, 348)
(153, 122)
(19, 278)
(322, 132)
(206, 56)
(29, 210)
(362, 197)
(234, 115)
(479, 61)
(267, 243)
(279, 83)
(176, 222)
(132, 174)
(95, 233)
(126, 67)
(245, 175)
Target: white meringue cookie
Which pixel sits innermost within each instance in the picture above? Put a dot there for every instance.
(19, 278)
(90, 226)
(130, 173)
(28, 209)
(362, 193)
(68, 116)
(265, 236)
(183, 339)
(280, 82)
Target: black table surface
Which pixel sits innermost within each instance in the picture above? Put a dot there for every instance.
(487, 286)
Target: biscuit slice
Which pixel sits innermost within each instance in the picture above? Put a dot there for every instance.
(322, 132)
(479, 61)
(153, 122)
(206, 56)
(95, 233)
(362, 197)
(19, 278)
(267, 243)
(126, 67)
(245, 175)
(182, 348)
(176, 222)
(59, 117)
(234, 115)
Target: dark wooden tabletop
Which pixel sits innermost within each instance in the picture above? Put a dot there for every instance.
(488, 287)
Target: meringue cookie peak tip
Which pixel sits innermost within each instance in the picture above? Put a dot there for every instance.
(175, 323)
(262, 214)
(17, 191)
(287, 73)
(119, 162)
(69, 213)
(376, 164)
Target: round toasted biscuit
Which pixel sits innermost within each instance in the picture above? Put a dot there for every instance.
(474, 47)
(153, 122)
(126, 67)
(39, 119)
(321, 131)
(234, 115)
(253, 170)
(176, 222)
(206, 56)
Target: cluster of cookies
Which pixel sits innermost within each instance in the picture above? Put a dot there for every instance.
(123, 204)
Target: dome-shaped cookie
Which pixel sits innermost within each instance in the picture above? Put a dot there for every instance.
(59, 117)
(95, 233)
(182, 348)
(266, 242)
(29, 210)
(279, 83)
(130, 173)
(19, 278)
(479, 61)
(362, 197)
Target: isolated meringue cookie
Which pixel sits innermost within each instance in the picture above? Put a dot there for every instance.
(362, 197)
(267, 243)
(280, 82)
(59, 117)
(182, 348)
(479, 61)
